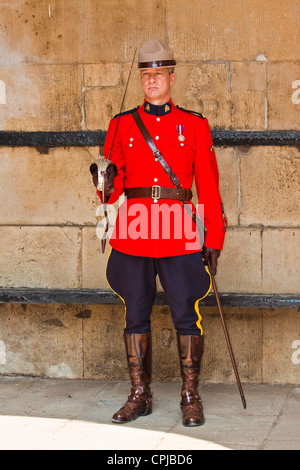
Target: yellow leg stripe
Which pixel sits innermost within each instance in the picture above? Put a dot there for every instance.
(197, 308)
(113, 289)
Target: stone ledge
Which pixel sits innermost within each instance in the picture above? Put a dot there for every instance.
(103, 297)
(95, 138)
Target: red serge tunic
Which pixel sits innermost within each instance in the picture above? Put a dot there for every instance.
(145, 227)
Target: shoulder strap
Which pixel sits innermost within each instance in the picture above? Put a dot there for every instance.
(191, 112)
(130, 111)
(155, 151)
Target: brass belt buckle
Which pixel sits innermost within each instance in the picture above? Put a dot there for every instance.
(156, 193)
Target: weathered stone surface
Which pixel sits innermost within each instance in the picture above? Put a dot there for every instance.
(75, 31)
(86, 342)
(102, 75)
(281, 260)
(246, 336)
(204, 89)
(248, 76)
(50, 188)
(248, 84)
(93, 260)
(248, 110)
(207, 88)
(45, 257)
(41, 97)
(234, 30)
(270, 186)
(228, 164)
(165, 355)
(284, 95)
(240, 262)
(104, 353)
(281, 342)
(41, 341)
(103, 103)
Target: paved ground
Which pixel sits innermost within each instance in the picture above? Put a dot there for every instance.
(76, 414)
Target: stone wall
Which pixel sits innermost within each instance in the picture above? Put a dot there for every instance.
(64, 66)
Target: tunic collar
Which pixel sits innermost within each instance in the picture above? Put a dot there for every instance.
(155, 110)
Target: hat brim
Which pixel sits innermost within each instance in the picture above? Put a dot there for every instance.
(138, 68)
(157, 64)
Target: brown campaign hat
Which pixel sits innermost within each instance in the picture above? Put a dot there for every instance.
(155, 54)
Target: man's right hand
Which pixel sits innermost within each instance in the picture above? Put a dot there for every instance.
(108, 179)
(212, 255)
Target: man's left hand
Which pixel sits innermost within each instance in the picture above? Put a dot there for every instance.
(212, 255)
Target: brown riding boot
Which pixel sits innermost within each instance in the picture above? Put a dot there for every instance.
(139, 358)
(190, 353)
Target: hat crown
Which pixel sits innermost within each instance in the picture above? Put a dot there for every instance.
(157, 53)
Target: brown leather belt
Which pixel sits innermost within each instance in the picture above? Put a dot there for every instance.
(157, 192)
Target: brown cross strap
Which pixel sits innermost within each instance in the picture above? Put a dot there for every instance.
(170, 173)
(158, 192)
(155, 151)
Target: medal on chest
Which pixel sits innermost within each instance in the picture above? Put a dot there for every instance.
(180, 130)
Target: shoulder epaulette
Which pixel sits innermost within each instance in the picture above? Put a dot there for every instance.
(126, 112)
(191, 112)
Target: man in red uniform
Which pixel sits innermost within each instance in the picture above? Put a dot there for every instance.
(155, 233)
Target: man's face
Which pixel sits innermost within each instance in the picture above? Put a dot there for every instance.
(156, 85)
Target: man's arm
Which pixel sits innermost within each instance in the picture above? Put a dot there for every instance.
(114, 183)
(207, 183)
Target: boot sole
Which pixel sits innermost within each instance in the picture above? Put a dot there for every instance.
(123, 421)
(192, 424)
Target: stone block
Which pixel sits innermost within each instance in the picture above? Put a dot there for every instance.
(284, 96)
(281, 261)
(102, 104)
(234, 30)
(102, 75)
(47, 188)
(73, 31)
(93, 260)
(281, 341)
(41, 98)
(246, 336)
(240, 262)
(40, 257)
(134, 96)
(164, 341)
(41, 340)
(248, 110)
(104, 351)
(248, 76)
(206, 89)
(229, 182)
(270, 186)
